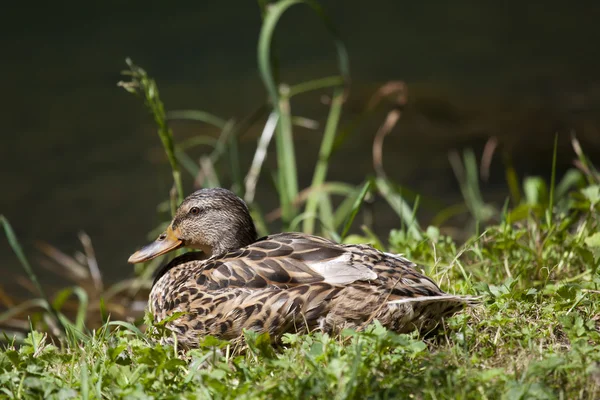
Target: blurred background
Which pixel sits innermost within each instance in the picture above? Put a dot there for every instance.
(79, 153)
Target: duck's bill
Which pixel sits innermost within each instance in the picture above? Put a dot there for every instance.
(166, 242)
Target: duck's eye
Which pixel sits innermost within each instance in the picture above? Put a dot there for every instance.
(194, 211)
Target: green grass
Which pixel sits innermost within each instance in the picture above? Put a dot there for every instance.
(535, 336)
(535, 262)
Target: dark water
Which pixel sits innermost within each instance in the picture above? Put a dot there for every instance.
(78, 153)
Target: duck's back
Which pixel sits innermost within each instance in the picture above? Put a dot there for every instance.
(292, 282)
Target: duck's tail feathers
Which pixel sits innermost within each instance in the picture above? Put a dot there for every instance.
(470, 301)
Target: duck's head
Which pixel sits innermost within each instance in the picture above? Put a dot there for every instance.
(212, 220)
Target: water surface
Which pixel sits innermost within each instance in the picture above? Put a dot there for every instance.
(78, 153)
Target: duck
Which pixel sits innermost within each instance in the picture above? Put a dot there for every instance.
(282, 283)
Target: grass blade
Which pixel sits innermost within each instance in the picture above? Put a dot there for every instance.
(259, 156)
(466, 173)
(343, 210)
(187, 162)
(316, 84)
(197, 115)
(326, 213)
(16, 247)
(584, 163)
(356, 207)
(552, 183)
(572, 178)
(92, 263)
(16, 310)
(85, 384)
(399, 205)
(324, 154)
(286, 160)
(196, 141)
(234, 163)
(82, 309)
(337, 188)
(129, 327)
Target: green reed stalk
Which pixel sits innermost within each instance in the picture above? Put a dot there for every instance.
(140, 81)
(286, 159)
(324, 154)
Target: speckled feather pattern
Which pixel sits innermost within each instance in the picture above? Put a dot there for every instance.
(292, 282)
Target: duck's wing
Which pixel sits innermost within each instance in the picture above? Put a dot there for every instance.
(286, 260)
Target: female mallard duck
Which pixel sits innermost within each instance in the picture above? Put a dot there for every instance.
(288, 282)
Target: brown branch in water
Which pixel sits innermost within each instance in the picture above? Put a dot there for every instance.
(389, 123)
(486, 158)
(398, 89)
(392, 87)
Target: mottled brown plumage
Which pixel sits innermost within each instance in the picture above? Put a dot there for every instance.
(288, 282)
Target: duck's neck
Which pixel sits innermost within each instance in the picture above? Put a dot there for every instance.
(244, 235)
